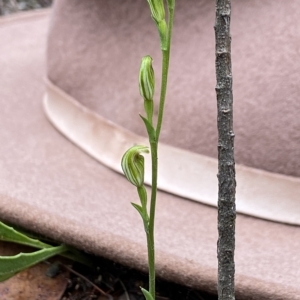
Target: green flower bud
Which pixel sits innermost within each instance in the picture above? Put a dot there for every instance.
(157, 9)
(133, 164)
(146, 78)
(158, 15)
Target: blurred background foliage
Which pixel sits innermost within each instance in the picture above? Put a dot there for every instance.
(12, 6)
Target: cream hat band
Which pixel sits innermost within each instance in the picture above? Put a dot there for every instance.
(193, 176)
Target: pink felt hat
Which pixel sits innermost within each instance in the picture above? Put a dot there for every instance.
(62, 138)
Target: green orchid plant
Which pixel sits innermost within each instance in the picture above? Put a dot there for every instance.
(133, 161)
(132, 165)
(11, 265)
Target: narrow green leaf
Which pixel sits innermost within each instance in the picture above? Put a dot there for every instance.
(77, 256)
(10, 265)
(9, 234)
(139, 209)
(147, 294)
(150, 129)
(143, 197)
(6, 276)
(144, 216)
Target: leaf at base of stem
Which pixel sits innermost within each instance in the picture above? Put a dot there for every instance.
(147, 295)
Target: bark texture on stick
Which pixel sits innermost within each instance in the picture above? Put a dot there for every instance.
(226, 174)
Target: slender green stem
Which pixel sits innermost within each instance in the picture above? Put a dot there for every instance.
(150, 234)
(132, 163)
(154, 148)
(165, 69)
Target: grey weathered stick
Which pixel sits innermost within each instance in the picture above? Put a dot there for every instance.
(226, 175)
(1, 8)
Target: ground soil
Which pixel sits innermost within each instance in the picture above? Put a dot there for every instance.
(122, 283)
(12, 6)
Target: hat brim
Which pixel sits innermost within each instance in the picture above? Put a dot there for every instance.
(52, 187)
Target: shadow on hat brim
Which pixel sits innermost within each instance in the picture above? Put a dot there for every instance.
(51, 187)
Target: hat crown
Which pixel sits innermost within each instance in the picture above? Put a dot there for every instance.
(94, 53)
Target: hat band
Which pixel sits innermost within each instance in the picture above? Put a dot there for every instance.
(193, 176)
